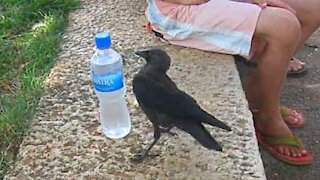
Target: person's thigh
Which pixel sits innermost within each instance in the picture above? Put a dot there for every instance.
(305, 9)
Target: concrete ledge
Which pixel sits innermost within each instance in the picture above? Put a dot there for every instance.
(66, 142)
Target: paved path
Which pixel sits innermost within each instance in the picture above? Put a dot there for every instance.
(65, 141)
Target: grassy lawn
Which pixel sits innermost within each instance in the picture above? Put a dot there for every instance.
(30, 34)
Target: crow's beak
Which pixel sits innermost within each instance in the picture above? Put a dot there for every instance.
(143, 54)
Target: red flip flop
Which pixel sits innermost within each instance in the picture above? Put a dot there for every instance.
(286, 113)
(268, 143)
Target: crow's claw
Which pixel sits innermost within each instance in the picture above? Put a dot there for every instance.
(172, 134)
(138, 158)
(169, 132)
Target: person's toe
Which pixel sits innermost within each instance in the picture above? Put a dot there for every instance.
(298, 151)
(280, 149)
(287, 151)
(303, 151)
(291, 151)
(296, 114)
(302, 63)
(295, 152)
(283, 150)
(293, 119)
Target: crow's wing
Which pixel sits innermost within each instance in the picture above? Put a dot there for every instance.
(161, 96)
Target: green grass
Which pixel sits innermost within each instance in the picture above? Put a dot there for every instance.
(30, 35)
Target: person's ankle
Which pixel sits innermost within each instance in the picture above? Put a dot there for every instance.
(271, 125)
(253, 104)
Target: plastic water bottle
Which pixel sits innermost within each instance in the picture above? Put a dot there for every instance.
(109, 85)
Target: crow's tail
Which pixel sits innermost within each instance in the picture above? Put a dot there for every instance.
(211, 120)
(198, 131)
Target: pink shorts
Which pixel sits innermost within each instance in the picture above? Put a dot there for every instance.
(222, 26)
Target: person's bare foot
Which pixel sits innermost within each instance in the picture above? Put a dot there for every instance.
(277, 127)
(292, 116)
(296, 65)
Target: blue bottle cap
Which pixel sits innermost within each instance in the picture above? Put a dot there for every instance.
(103, 40)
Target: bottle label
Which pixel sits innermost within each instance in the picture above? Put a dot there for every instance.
(108, 82)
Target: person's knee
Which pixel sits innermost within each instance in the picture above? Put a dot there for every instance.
(282, 26)
(286, 27)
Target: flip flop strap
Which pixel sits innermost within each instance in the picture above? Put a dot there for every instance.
(284, 111)
(289, 140)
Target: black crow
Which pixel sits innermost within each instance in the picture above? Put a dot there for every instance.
(166, 106)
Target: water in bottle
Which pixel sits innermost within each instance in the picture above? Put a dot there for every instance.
(109, 85)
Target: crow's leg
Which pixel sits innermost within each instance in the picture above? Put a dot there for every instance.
(167, 130)
(140, 157)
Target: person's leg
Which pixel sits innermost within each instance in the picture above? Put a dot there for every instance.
(295, 64)
(280, 30)
(308, 15)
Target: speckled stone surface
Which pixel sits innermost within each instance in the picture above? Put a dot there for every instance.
(66, 142)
